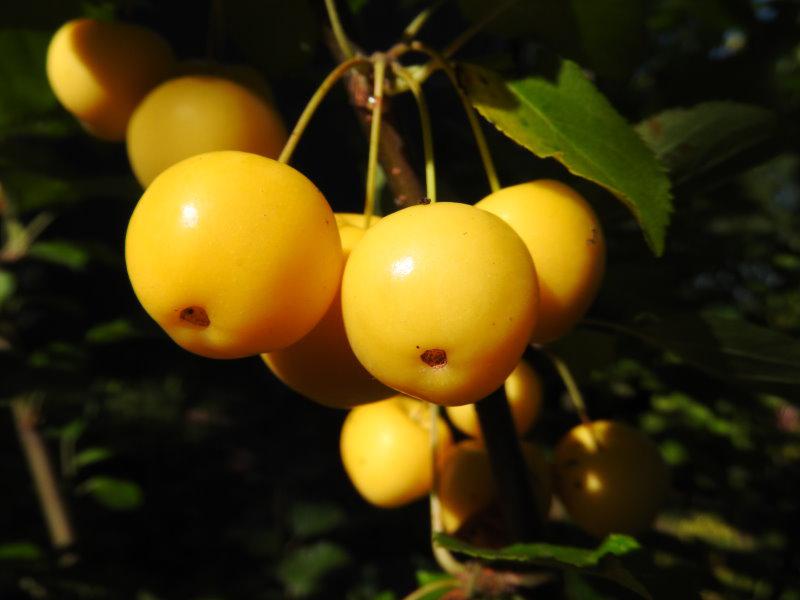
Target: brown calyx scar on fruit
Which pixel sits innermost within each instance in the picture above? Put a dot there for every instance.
(196, 316)
(435, 357)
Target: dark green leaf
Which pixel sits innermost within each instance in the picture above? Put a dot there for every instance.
(302, 571)
(91, 456)
(8, 285)
(721, 346)
(118, 330)
(116, 494)
(564, 116)
(20, 551)
(64, 253)
(312, 519)
(691, 142)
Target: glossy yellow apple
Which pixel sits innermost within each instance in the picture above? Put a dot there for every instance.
(466, 487)
(566, 241)
(386, 450)
(233, 254)
(439, 302)
(523, 391)
(193, 114)
(610, 477)
(322, 366)
(101, 70)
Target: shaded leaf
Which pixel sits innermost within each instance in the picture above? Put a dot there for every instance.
(118, 330)
(312, 519)
(64, 253)
(691, 142)
(20, 551)
(116, 494)
(721, 346)
(90, 456)
(565, 117)
(302, 571)
(8, 285)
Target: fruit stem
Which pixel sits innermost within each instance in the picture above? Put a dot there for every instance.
(338, 31)
(573, 390)
(443, 556)
(412, 29)
(427, 131)
(470, 32)
(440, 62)
(514, 487)
(50, 499)
(379, 76)
(314, 102)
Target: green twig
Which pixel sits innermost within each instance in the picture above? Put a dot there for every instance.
(572, 387)
(342, 40)
(468, 34)
(428, 588)
(374, 136)
(427, 131)
(483, 148)
(314, 102)
(412, 29)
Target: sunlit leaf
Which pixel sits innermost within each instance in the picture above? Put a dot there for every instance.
(561, 114)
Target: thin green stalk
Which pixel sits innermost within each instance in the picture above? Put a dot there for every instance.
(427, 131)
(572, 387)
(468, 34)
(338, 31)
(379, 76)
(428, 588)
(411, 31)
(483, 148)
(314, 102)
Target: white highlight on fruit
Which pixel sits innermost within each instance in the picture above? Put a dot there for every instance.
(189, 215)
(402, 267)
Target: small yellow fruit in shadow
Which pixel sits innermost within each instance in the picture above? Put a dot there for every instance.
(466, 486)
(233, 254)
(566, 242)
(193, 114)
(523, 390)
(439, 302)
(322, 366)
(100, 71)
(386, 450)
(610, 477)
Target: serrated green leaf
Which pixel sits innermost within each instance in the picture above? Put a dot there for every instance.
(302, 571)
(725, 347)
(20, 551)
(91, 456)
(691, 142)
(565, 117)
(601, 561)
(116, 494)
(64, 253)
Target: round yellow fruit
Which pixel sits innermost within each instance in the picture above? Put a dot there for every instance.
(322, 366)
(439, 302)
(610, 477)
(100, 71)
(386, 450)
(233, 254)
(566, 241)
(523, 391)
(466, 486)
(200, 113)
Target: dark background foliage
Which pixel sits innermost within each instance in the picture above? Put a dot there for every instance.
(195, 479)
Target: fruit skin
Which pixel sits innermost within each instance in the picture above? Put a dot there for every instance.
(243, 239)
(322, 366)
(200, 113)
(100, 71)
(466, 487)
(611, 478)
(523, 390)
(439, 302)
(386, 450)
(566, 240)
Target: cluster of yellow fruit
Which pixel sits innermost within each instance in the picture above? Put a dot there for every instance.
(122, 82)
(235, 254)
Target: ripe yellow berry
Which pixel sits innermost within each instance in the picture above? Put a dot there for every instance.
(386, 450)
(322, 366)
(466, 486)
(523, 390)
(611, 478)
(566, 241)
(439, 302)
(200, 113)
(233, 254)
(99, 71)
